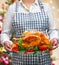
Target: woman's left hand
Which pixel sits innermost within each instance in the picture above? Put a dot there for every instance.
(54, 42)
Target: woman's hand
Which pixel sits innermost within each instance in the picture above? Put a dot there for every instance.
(54, 42)
(7, 46)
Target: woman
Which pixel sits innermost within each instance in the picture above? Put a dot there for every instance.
(23, 16)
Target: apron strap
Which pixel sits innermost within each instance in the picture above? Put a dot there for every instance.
(42, 10)
(40, 4)
(16, 7)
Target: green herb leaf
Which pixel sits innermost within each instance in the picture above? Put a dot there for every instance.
(37, 52)
(21, 48)
(46, 51)
(20, 42)
(36, 48)
(50, 46)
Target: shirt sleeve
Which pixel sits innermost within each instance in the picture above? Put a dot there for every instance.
(53, 32)
(7, 26)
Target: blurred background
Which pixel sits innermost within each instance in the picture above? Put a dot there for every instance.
(55, 7)
(4, 4)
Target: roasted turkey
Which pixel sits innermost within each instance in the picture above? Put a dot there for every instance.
(34, 38)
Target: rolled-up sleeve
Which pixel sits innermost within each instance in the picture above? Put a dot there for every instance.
(53, 32)
(7, 27)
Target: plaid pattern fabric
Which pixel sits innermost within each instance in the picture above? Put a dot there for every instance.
(30, 59)
(30, 21)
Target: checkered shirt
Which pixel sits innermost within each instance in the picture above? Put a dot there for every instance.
(26, 22)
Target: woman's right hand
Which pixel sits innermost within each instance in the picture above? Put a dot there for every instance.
(7, 46)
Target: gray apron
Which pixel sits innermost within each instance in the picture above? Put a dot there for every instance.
(27, 22)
